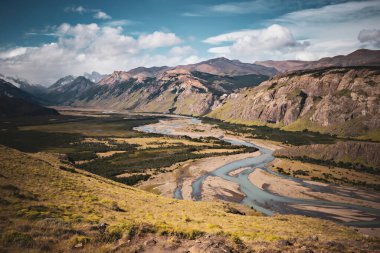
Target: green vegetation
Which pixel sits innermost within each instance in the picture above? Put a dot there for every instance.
(267, 133)
(327, 173)
(331, 163)
(69, 135)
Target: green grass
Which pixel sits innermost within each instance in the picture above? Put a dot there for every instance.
(274, 134)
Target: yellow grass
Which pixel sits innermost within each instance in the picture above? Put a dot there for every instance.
(216, 150)
(318, 170)
(109, 153)
(81, 199)
(157, 142)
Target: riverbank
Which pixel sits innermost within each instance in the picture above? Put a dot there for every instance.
(183, 174)
(224, 179)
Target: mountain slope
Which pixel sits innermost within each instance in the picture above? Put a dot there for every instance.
(94, 76)
(175, 90)
(15, 102)
(361, 57)
(51, 206)
(343, 101)
(224, 66)
(24, 85)
(67, 89)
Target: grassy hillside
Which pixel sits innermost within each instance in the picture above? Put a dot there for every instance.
(47, 205)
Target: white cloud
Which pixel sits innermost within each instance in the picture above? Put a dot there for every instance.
(120, 22)
(101, 15)
(371, 37)
(78, 9)
(184, 50)
(333, 29)
(256, 44)
(335, 13)
(158, 39)
(255, 6)
(98, 14)
(88, 47)
(13, 52)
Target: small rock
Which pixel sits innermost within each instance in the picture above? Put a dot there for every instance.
(314, 238)
(78, 245)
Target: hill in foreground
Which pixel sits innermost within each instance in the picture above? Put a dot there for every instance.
(47, 205)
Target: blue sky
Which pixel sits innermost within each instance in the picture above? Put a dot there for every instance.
(44, 40)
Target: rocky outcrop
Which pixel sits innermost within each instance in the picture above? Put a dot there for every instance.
(338, 100)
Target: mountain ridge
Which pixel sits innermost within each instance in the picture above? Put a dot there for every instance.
(360, 57)
(16, 102)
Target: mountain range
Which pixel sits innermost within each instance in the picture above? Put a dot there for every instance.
(338, 95)
(361, 57)
(16, 102)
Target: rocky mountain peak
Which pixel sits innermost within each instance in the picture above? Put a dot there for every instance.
(115, 77)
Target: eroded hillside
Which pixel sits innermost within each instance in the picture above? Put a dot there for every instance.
(343, 101)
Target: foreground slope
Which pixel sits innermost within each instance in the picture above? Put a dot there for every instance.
(343, 101)
(48, 205)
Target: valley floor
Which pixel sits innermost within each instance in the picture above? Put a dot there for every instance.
(53, 185)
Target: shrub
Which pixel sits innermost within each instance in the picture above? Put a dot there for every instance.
(14, 238)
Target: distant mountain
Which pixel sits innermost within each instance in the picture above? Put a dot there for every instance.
(16, 102)
(143, 72)
(224, 66)
(67, 89)
(343, 101)
(175, 90)
(115, 78)
(25, 85)
(61, 83)
(94, 76)
(361, 57)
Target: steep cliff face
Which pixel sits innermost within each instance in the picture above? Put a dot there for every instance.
(337, 100)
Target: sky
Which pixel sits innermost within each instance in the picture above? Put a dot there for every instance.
(42, 41)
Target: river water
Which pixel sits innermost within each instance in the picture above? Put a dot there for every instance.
(263, 200)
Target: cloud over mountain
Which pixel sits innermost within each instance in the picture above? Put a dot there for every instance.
(371, 37)
(249, 44)
(86, 47)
